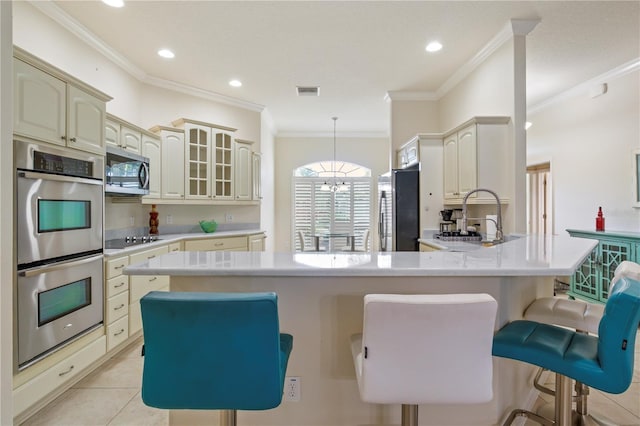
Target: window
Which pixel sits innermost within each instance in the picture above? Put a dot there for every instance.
(317, 211)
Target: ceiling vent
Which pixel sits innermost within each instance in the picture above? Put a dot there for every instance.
(308, 90)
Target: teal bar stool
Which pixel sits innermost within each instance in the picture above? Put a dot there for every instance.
(202, 349)
(603, 362)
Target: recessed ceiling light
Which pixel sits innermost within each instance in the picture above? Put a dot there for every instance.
(166, 53)
(114, 3)
(434, 46)
(235, 83)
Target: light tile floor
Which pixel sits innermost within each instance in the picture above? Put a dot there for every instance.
(110, 396)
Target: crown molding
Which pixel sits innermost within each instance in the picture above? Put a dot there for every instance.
(400, 95)
(624, 69)
(65, 20)
(342, 135)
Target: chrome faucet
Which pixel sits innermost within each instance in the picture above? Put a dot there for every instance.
(463, 231)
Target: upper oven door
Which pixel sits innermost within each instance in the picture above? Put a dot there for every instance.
(57, 216)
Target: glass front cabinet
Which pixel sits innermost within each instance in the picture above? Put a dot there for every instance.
(592, 279)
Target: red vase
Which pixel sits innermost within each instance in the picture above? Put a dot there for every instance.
(153, 221)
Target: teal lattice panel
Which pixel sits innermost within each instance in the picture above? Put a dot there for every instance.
(585, 280)
(613, 254)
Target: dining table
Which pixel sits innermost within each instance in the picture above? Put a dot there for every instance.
(350, 239)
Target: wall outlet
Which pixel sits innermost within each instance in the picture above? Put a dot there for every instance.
(131, 221)
(169, 219)
(228, 217)
(292, 389)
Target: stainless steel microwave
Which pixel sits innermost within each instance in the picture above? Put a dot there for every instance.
(126, 173)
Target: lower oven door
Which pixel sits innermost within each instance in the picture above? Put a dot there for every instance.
(57, 216)
(57, 303)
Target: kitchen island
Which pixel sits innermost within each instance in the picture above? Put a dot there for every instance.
(320, 304)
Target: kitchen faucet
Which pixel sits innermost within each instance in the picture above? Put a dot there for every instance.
(463, 231)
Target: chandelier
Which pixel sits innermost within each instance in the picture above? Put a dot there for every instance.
(334, 186)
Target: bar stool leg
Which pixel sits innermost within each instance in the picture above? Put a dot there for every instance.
(409, 415)
(228, 417)
(563, 401)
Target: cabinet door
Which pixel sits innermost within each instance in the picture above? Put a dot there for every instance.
(242, 179)
(223, 166)
(612, 253)
(130, 139)
(256, 242)
(256, 171)
(467, 160)
(151, 149)
(197, 143)
(111, 133)
(85, 121)
(585, 281)
(172, 165)
(39, 104)
(451, 167)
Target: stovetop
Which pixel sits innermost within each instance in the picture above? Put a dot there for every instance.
(120, 243)
(456, 236)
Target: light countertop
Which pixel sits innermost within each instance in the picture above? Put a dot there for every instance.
(173, 238)
(526, 256)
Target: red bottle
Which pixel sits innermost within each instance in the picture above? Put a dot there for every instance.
(600, 220)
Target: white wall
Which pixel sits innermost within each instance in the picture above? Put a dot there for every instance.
(589, 142)
(408, 118)
(267, 208)
(291, 153)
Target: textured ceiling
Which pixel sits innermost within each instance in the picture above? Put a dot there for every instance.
(355, 51)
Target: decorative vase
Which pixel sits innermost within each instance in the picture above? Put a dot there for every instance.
(153, 221)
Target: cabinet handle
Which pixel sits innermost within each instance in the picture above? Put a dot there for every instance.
(72, 139)
(118, 267)
(119, 332)
(218, 244)
(66, 372)
(118, 285)
(63, 137)
(153, 279)
(119, 307)
(151, 257)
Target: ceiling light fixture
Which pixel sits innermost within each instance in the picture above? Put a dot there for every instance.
(166, 53)
(334, 186)
(114, 3)
(433, 46)
(235, 83)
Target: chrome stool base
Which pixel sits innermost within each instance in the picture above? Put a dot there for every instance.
(409, 415)
(228, 417)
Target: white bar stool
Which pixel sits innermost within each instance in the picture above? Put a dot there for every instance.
(420, 349)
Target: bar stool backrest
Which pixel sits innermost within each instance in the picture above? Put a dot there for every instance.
(427, 348)
(212, 351)
(617, 335)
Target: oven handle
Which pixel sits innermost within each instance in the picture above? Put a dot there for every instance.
(50, 268)
(59, 178)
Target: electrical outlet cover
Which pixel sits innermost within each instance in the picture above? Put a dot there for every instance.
(292, 389)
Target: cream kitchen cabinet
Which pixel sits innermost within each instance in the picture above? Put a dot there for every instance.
(238, 243)
(256, 241)
(223, 170)
(172, 170)
(256, 176)
(51, 106)
(130, 139)
(152, 149)
(243, 165)
(141, 285)
(117, 301)
(409, 154)
(475, 156)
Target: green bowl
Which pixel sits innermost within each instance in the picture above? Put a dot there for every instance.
(208, 226)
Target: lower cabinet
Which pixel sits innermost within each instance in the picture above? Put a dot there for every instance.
(256, 242)
(139, 285)
(57, 376)
(592, 280)
(217, 244)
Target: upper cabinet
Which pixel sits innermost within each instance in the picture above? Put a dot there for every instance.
(152, 149)
(256, 175)
(223, 165)
(243, 164)
(172, 162)
(475, 157)
(408, 154)
(123, 135)
(51, 106)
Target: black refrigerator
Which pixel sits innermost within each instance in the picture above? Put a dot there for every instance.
(399, 210)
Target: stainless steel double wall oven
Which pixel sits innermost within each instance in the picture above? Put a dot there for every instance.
(59, 224)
